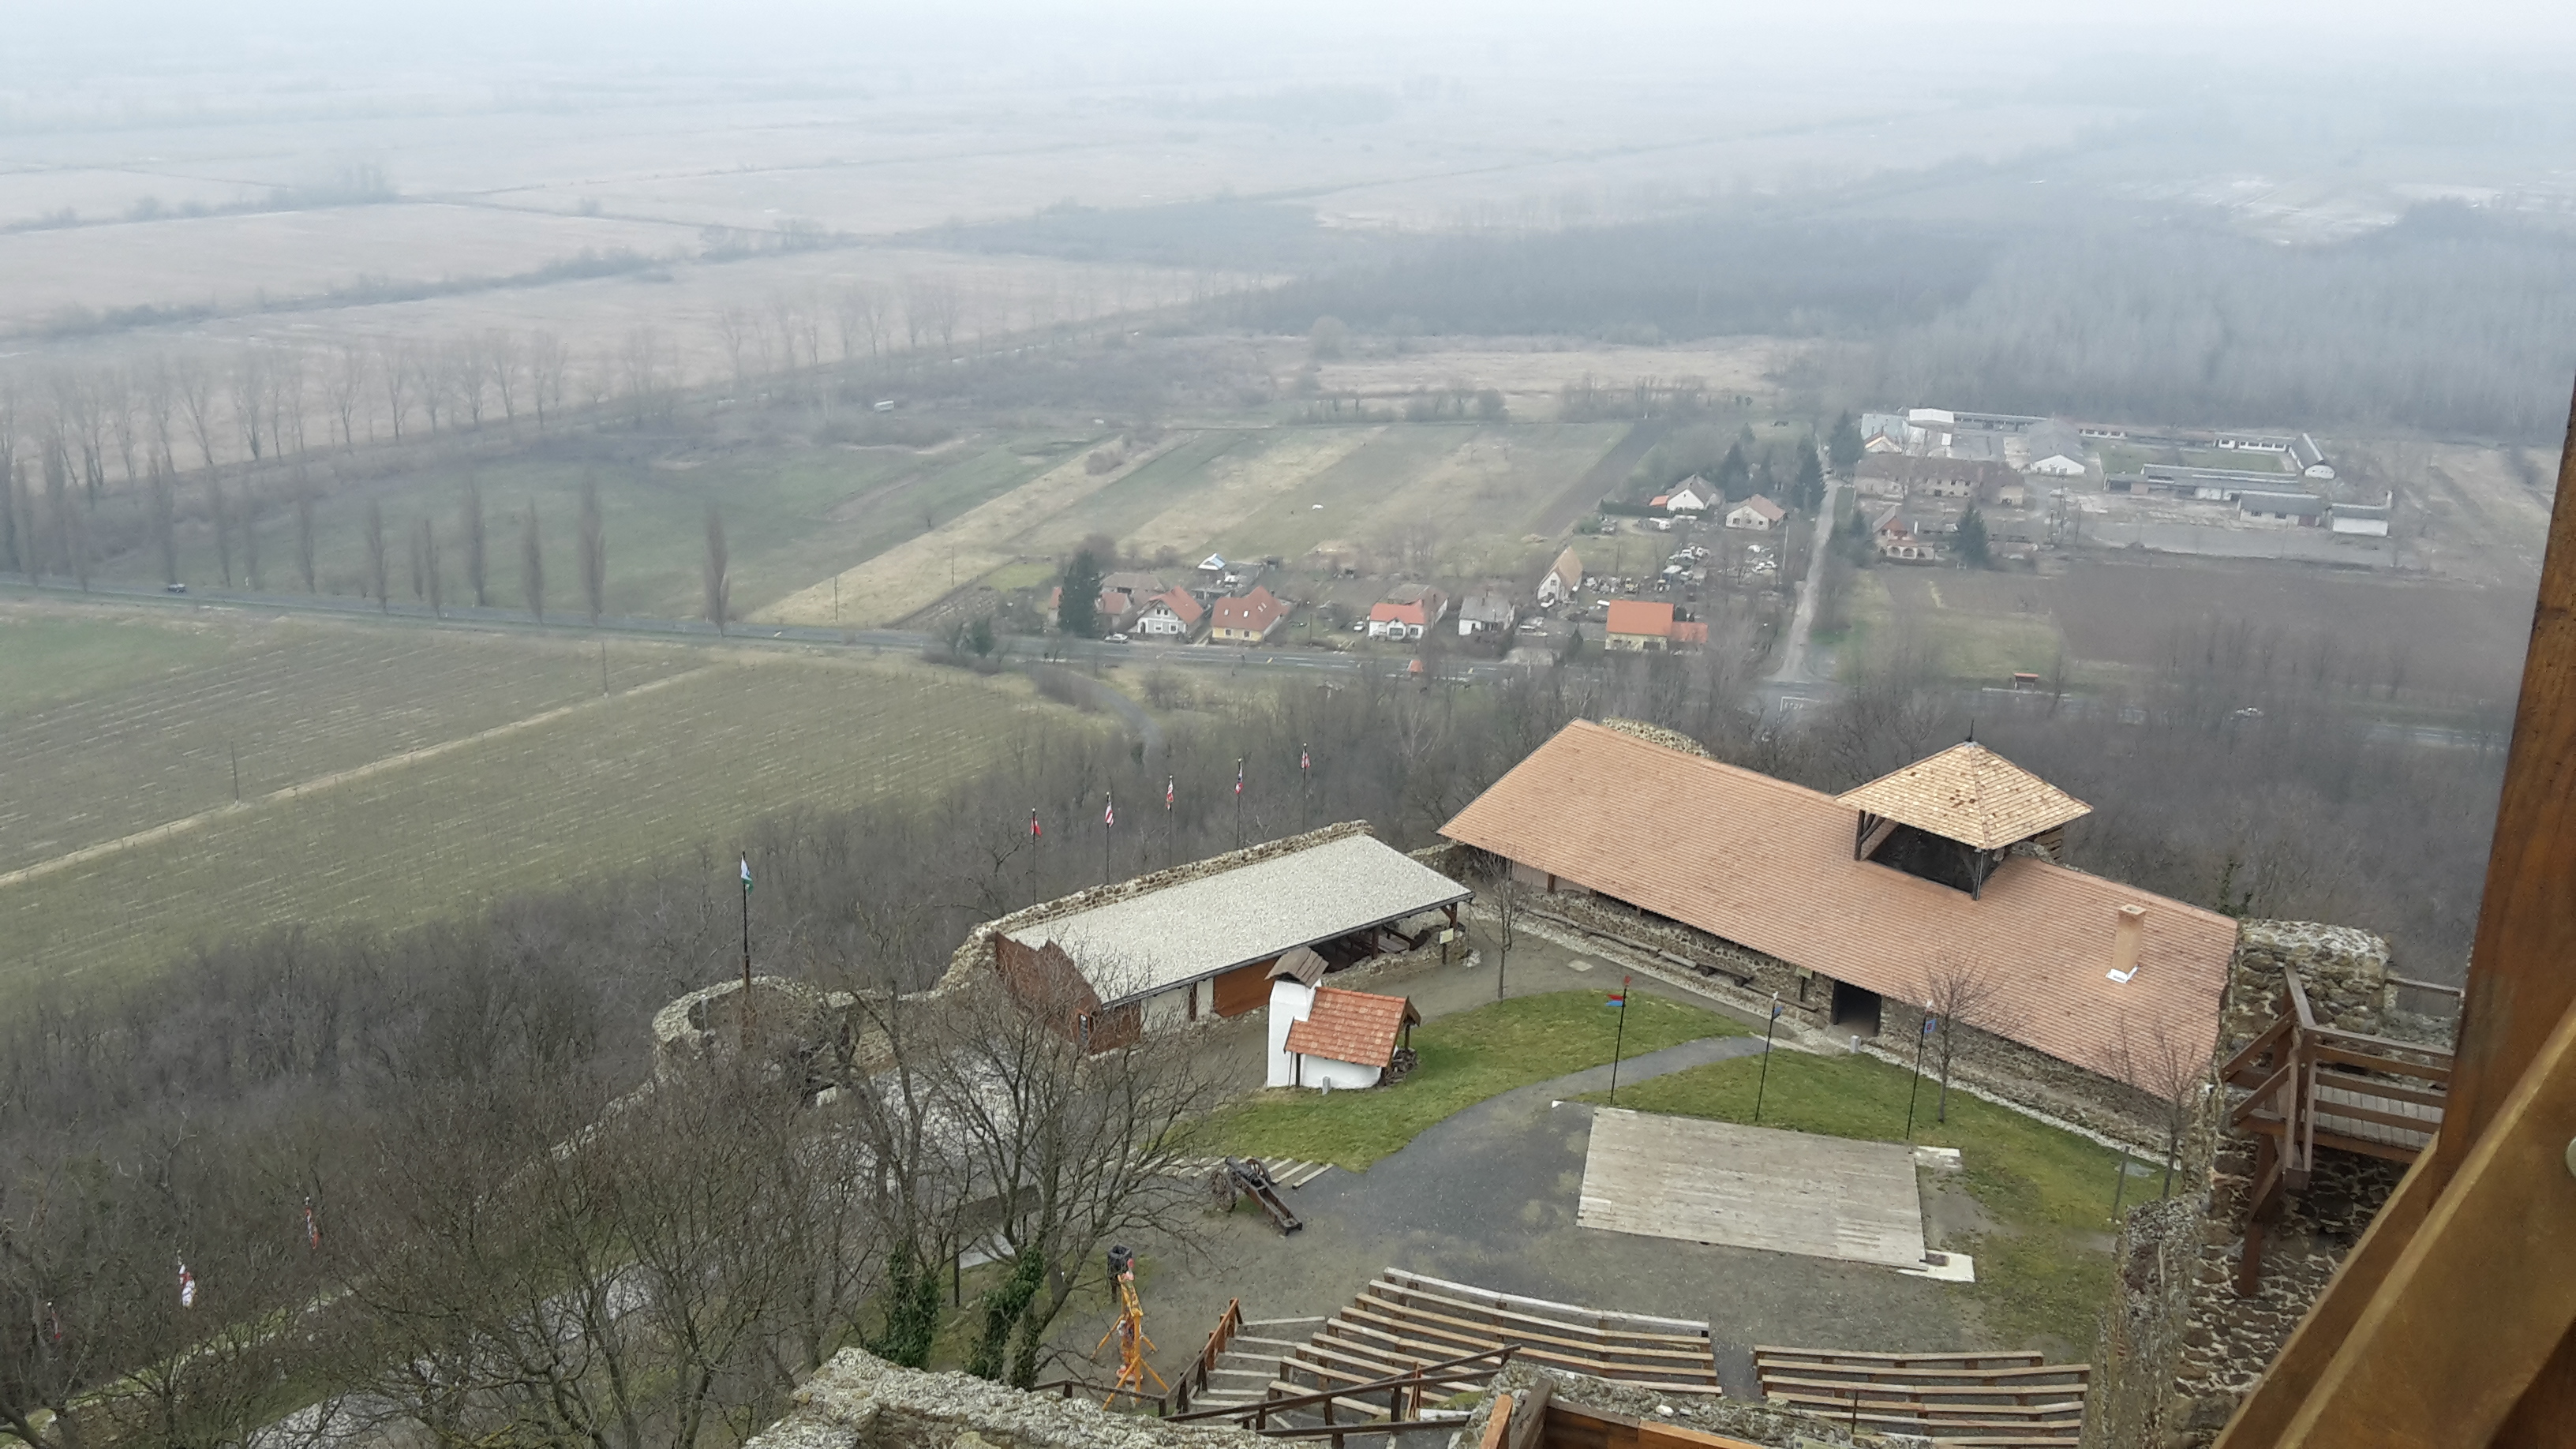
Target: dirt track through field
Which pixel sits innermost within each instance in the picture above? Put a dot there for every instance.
(319, 783)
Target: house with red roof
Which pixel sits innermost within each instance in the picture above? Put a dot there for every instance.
(1407, 613)
(1248, 619)
(1170, 616)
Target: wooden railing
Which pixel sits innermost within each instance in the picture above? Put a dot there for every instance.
(2309, 1086)
(1404, 1395)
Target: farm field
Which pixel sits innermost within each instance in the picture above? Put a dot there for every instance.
(604, 786)
(2426, 636)
(151, 731)
(232, 262)
(1462, 497)
(792, 513)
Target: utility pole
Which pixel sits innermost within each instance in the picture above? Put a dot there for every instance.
(1238, 802)
(235, 748)
(603, 666)
(745, 1017)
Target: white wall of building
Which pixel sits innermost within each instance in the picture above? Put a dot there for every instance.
(1290, 1001)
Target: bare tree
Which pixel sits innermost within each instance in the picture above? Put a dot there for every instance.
(165, 524)
(219, 516)
(345, 384)
(419, 557)
(501, 360)
(394, 374)
(1961, 994)
(733, 333)
(476, 540)
(549, 361)
(719, 585)
(437, 584)
(1506, 896)
(2147, 1055)
(250, 397)
(594, 550)
(248, 523)
(532, 564)
(1079, 1140)
(304, 535)
(196, 387)
(376, 580)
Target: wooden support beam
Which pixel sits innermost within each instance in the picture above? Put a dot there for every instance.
(2389, 1323)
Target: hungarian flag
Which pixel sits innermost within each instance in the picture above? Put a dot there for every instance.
(1238, 777)
(1619, 998)
(187, 1286)
(1304, 761)
(746, 875)
(1034, 832)
(1109, 813)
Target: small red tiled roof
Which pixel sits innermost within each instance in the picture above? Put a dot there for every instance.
(1351, 1026)
(1764, 508)
(1690, 633)
(1637, 616)
(1183, 607)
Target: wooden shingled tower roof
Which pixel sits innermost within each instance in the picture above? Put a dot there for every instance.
(1969, 794)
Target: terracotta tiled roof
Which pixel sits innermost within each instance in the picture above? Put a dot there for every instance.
(1970, 794)
(1183, 607)
(1769, 864)
(1351, 1026)
(1637, 616)
(1763, 507)
(1255, 611)
(1692, 633)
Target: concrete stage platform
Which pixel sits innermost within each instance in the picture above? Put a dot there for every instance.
(1752, 1187)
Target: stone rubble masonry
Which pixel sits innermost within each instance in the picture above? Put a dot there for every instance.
(857, 1401)
(2179, 1349)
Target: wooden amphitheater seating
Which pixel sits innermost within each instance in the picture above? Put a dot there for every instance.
(1402, 1321)
(1958, 1398)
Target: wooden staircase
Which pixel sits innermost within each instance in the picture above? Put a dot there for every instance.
(1981, 1399)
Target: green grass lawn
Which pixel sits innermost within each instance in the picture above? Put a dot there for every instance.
(46, 658)
(1465, 1059)
(2042, 1271)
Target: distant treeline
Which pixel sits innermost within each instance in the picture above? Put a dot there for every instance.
(2453, 320)
(1652, 281)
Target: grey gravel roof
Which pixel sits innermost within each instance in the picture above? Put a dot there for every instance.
(1233, 918)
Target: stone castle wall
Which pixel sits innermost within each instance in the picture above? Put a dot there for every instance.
(2179, 1348)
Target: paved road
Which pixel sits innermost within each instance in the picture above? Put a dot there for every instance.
(1794, 665)
(1783, 695)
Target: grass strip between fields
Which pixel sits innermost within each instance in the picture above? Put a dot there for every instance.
(2043, 1266)
(1465, 1059)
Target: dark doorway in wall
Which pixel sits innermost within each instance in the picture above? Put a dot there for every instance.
(1855, 1010)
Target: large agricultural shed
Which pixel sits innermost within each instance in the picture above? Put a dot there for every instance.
(1940, 868)
(1198, 940)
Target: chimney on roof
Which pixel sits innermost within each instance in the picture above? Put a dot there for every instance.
(2132, 929)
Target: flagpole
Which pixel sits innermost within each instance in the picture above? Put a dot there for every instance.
(1238, 802)
(1763, 1083)
(1619, 1041)
(745, 1017)
(1108, 822)
(1305, 788)
(1916, 1093)
(1033, 855)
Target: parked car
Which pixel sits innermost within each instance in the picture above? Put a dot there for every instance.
(1117, 638)
(174, 588)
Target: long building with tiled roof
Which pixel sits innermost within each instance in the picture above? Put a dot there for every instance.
(2079, 966)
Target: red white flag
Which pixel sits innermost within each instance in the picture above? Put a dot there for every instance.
(187, 1286)
(1238, 777)
(1034, 832)
(312, 1229)
(1304, 760)
(1168, 782)
(1109, 814)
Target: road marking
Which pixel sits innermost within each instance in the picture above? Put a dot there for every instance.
(353, 774)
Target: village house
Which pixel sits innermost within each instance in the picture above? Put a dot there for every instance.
(1694, 495)
(1563, 578)
(1640, 625)
(2299, 510)
(1489, 610)
(1842, 904)
(1248, 619)
(2054, 450)
(1173, 615)
(2366, 520)
(1757, 513)
(1407, 612)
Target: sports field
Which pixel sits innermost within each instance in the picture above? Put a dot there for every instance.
(409, 775)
